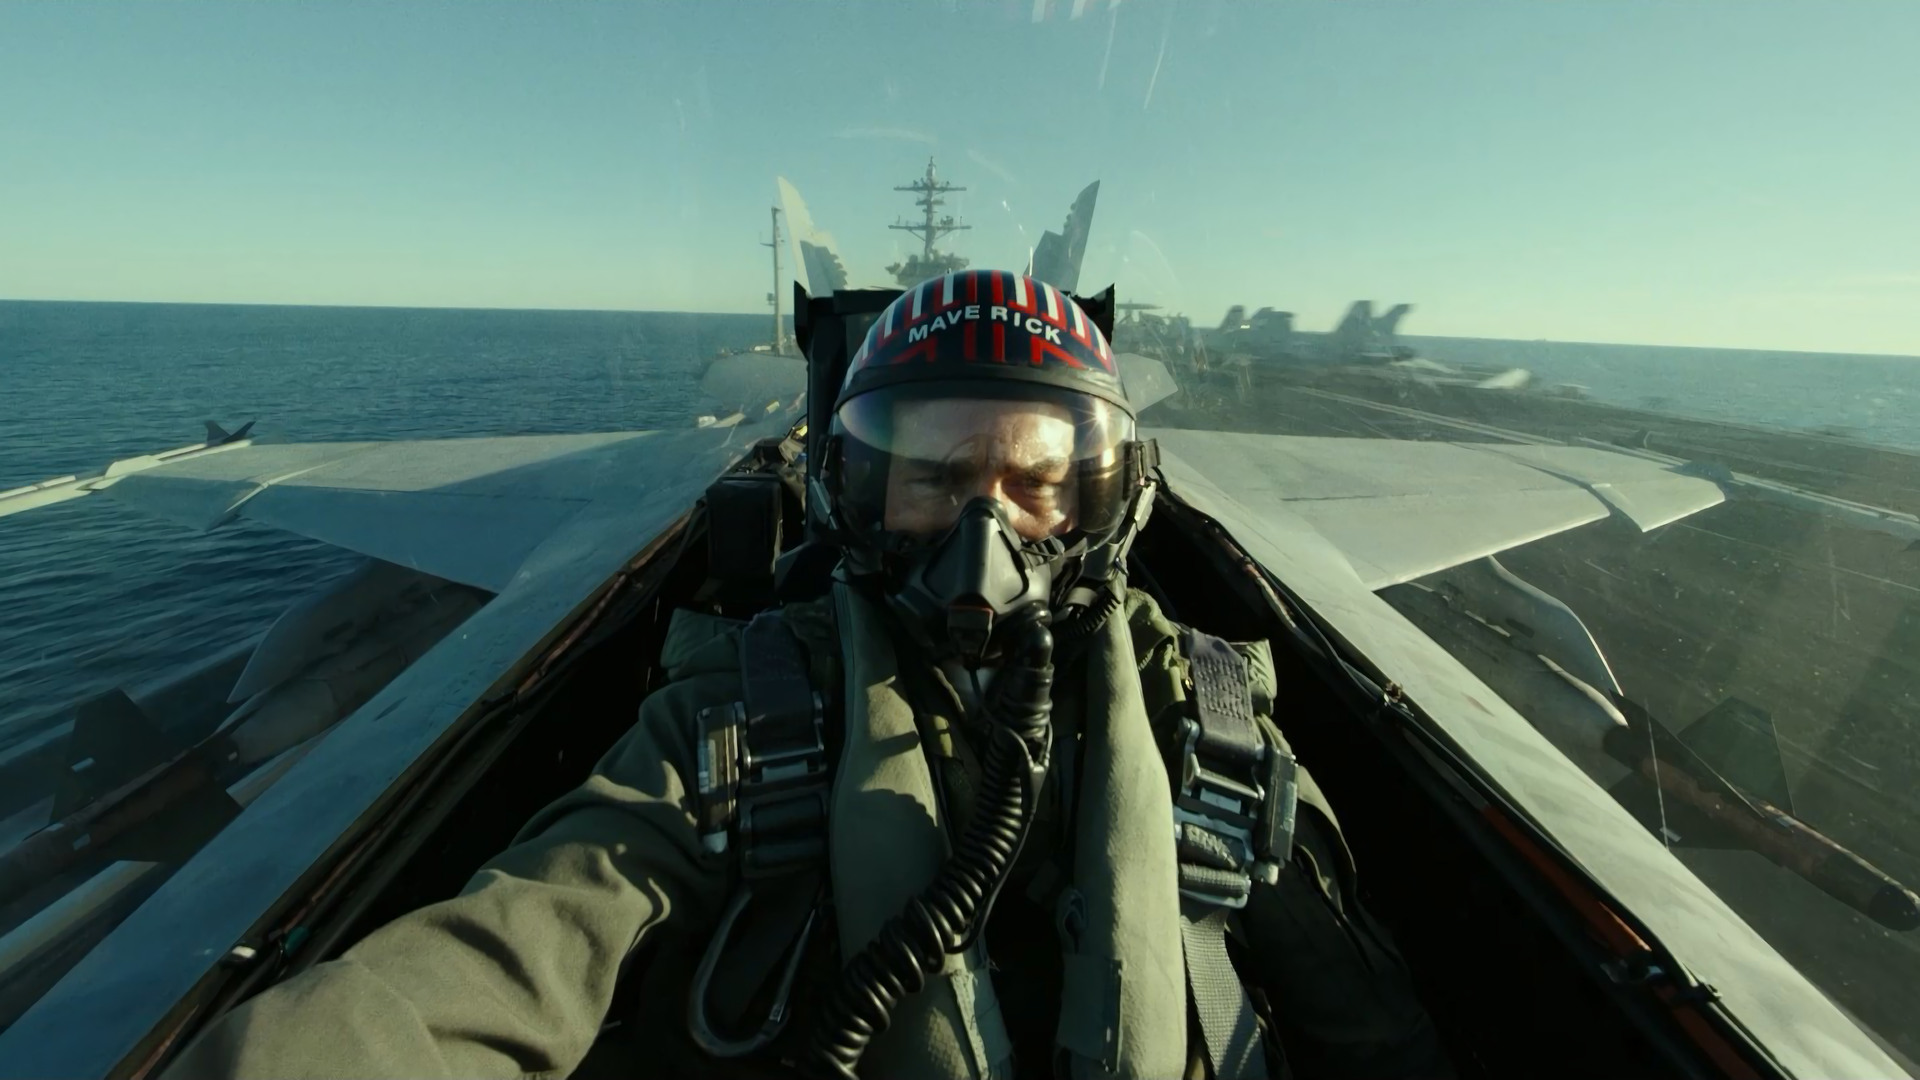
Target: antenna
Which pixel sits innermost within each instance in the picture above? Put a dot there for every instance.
(779, 322)
(930, 188)
(932, 226)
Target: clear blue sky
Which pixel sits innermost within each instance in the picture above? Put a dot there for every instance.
(1709, 172)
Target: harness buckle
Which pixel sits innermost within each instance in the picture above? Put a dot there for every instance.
(717, 773)
(771, 801)
(1234, 800)
(783, 803)
(1215, 823)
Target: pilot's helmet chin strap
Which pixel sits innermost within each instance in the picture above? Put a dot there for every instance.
(1105, 568)
(1100, 588)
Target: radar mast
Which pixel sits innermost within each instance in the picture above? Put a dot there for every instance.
(779, 320)
(931, 262)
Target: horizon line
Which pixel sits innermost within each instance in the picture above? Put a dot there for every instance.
(788, 317)
(381, 307)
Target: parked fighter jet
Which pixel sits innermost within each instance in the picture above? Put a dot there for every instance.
(1567, 937)
(1360, 338)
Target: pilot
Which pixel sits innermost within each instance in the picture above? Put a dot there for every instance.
(978, 810)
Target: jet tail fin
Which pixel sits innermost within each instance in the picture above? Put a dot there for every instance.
(1056, 258)
(1357, 322)
(1235, 318)
(824, 272)
(1389, 324)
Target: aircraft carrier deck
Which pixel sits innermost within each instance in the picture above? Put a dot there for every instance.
(1811, 616)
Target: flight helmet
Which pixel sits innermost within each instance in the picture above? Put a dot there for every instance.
(983, 457)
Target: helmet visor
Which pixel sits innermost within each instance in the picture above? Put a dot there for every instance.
(913, 455)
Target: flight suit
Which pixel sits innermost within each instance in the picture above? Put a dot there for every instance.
(516, 975)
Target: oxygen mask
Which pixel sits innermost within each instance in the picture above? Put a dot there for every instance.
(958, 591)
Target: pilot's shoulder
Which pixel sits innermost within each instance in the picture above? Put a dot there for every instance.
(1153, 632)
(700, 643)
(1156, 644)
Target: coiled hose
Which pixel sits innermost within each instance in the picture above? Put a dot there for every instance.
(947, 917)
(1088, 620)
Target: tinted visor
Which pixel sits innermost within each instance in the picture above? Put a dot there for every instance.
(913, 455)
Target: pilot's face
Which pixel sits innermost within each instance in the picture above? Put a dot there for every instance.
(948, 452)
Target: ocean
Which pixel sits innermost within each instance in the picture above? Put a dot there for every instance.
(94, 596)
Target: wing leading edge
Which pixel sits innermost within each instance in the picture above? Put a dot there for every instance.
(473, 510)
(468, 510)
(1397, 510)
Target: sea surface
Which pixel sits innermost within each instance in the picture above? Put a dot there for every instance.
(93, 595)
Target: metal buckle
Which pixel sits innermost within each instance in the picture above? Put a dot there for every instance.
(761, 772)
(733, 782)
(782, 798)
(717, 783)
(1227, 810)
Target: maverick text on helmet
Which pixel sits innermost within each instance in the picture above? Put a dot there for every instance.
(967, 324)
(983, 458)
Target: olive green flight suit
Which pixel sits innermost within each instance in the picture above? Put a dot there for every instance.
(515, 976)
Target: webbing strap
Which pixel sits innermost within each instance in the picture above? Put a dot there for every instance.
(783, 762)
(762, 760)
(1218, 815)
(1226, 1016)
(763, 786)
(768, 930)
(775, 683)
(1223, 700)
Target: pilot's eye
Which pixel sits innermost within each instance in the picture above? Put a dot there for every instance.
(1037, 487)
(938, 478)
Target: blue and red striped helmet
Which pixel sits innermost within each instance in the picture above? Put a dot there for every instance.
(980, 326)
(927, 400)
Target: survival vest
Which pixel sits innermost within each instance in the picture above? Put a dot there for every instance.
(764, 778)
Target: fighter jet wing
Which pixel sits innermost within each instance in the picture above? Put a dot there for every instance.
(1398, 510)
(546, 521)
(473, 510)
(1243, 482)
(468, 510)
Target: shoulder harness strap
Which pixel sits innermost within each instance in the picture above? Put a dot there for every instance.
(1233, 812)
(763, 786)
(763, 769)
